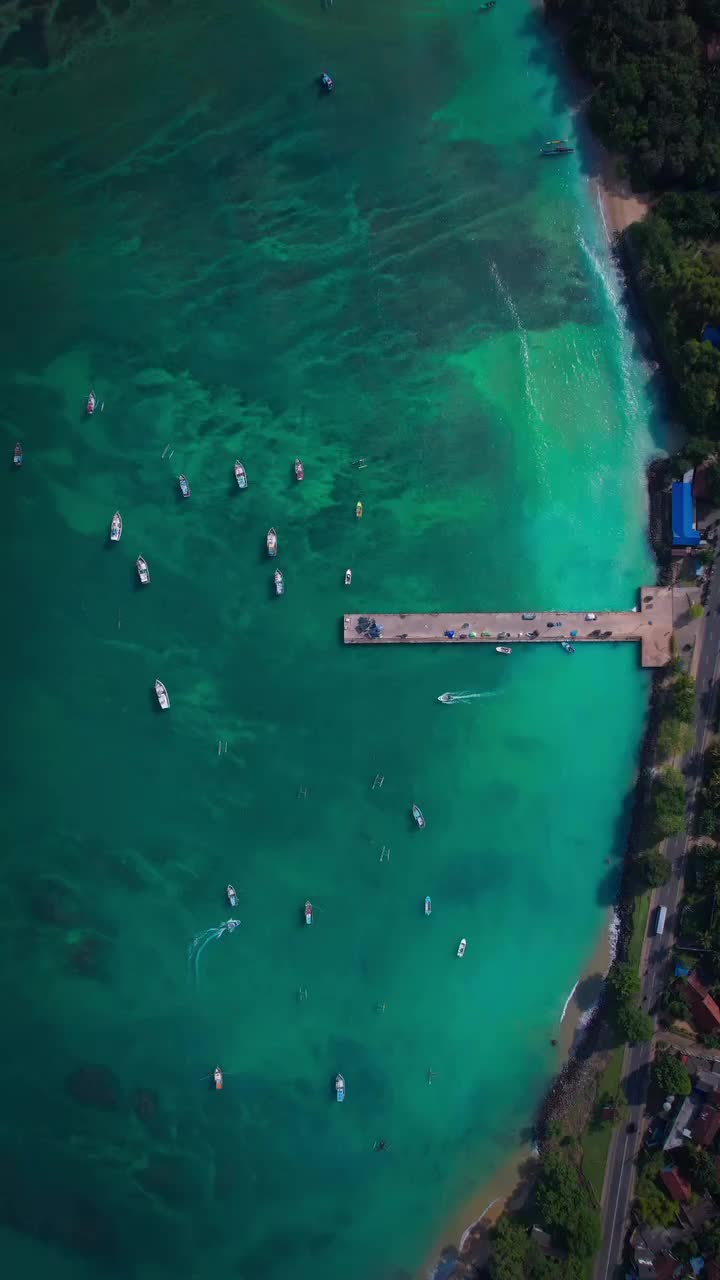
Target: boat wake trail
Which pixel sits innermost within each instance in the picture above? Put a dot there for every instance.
(201, 940)
(466, 695)
(567, 1002)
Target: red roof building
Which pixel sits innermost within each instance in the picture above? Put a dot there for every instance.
(677, 1188)
(706, 1127)
(704, 1009)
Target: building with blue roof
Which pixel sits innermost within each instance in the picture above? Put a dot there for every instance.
(684, 533)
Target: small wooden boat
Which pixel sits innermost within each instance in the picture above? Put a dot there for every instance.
(161, 694)
(271, 542)
(116, 527)
(18, 455)
(184, 486)
(308, 913)
(567, 646)
(340, 1088)
(418, 816)
(348, 577)
(231, 896)
(143, 571)
(279, 583)
(502, 648)
(299, 470)
(358, 511)
(218, 1078)
(240, 474)
(90, 404)
(557, 147)
(428, 907)
(461, 948)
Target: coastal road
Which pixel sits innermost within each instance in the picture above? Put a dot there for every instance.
(624, 1146)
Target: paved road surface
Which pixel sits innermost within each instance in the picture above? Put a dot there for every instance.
(620, 1172)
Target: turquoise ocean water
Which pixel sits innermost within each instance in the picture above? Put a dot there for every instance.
(242, 268)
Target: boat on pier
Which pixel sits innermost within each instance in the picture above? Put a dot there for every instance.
(279, 583)
(240, 474)
(184, 486)
(418, 816)
(271, 542)
(161, 694)
(340, 1088)
(142, 570)
(116, 527)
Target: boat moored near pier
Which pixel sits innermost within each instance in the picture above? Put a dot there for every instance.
(502, 648)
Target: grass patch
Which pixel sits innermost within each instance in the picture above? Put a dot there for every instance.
(641, 911)
(596, 1140)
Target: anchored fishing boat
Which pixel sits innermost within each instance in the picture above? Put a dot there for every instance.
(556, 147)
(271, 542)
(461, 948)
(340, 1088)
(502, 648)
(218, 1078)
(90, 404)
(184, 486)
(358, 511)
(161, 694)
(116, 527)
(428, 907)
(299, 470)
(326, 82)
(418, 816)
(308, 913)
(18, 455)
(279, 583)
(240, 475)
(143, 571)
(348, 577)
(231, 896)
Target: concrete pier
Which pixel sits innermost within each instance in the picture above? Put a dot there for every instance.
(650, 626)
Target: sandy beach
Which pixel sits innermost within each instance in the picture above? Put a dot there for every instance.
(620, 205)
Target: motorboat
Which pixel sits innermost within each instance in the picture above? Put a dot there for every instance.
(340, 1088)
(428, 907)
(18, 454)
(232, 896)
(161, 694)
(299, 470)
(90, 404)
(358, 511)
(143, 571)
(279, 583)
(308, 913)
(348, 577)
(240, 474)
(418, 816)
(326, 82)
(502, 648)
(184, 486)
(485, 8)
(116, 527)
(461, 948)
(556, 147)
(271, 542)
(218, 1078)
(231, 925)
(567, 646)
(446, 699)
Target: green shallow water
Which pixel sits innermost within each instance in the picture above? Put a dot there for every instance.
(242, 268)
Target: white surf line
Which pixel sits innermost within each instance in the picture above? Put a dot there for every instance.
(572, 993)
(468, 1230)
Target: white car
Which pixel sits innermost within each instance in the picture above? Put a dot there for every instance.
(591, 617)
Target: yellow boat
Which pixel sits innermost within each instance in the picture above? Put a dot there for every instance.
(358, 511)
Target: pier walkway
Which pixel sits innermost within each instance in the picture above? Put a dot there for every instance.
(651, 625)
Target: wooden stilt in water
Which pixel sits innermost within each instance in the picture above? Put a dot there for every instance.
(167, 446)
(302, 793)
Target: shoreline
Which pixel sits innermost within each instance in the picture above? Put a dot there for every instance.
(460, 1242)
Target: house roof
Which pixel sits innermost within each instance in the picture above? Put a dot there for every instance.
(699, 998)
(706, 1126)
(684, 533)
(675, 1185)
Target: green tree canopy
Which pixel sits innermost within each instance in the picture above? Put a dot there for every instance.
(670, 1075)
(674, 737)
(652, 867)
(509, 1250)
(682, 694)
(632, 1023)
(623, 980)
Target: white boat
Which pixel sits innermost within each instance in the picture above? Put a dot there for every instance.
(116, 527)
(308, 913)
(161, 694)
(446, 698)
(340, 1088)
(279, 583)
(428, 907)
(348, 577)
(271, 542)
(502, 648)
(418, 815)
(184, 486)
(231, 896)
(461, 948)
(240, 474)
(567, 646)
(143, 571)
